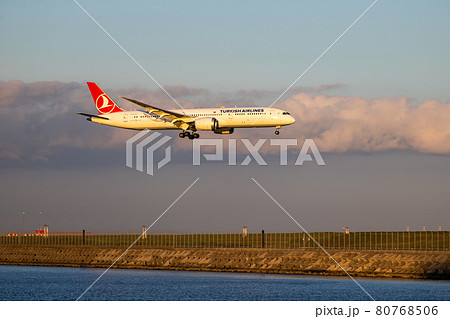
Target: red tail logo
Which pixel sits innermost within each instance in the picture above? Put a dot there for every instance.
(102, 101)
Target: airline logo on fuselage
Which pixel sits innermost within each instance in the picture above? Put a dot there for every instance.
(242, 111)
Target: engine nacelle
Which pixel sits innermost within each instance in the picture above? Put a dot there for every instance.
(224, 130)
(206, 124)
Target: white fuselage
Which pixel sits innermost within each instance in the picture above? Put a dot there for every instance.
(235, 117)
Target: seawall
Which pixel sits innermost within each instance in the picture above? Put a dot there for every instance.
(364, 263)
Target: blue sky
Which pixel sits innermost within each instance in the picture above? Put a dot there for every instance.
(399, 48)
(377, 105)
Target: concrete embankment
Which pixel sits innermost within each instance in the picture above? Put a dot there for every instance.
(367, 263)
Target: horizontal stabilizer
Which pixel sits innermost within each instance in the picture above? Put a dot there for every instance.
(91, 115)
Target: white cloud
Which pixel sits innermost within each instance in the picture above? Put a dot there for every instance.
(341, 124)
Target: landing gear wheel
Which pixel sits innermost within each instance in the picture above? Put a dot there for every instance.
(182, 134)
(196, 135)
(191, 137)
(277, 132)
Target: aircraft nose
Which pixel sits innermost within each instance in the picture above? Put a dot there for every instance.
(291, 120)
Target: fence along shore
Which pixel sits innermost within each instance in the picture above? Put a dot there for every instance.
(376, 240)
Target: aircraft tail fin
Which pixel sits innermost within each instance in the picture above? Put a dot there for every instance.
(103, 103)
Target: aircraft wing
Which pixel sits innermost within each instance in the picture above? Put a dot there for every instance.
(180, 120)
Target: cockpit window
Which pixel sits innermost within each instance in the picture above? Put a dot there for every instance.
(286, 113)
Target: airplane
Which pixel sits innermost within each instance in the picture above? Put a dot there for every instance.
(222, 120)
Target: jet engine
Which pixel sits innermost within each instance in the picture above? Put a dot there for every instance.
(206, 124)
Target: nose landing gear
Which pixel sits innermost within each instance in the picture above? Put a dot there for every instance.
(277, 128)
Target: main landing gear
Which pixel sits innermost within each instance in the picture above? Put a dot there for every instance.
(189, 135)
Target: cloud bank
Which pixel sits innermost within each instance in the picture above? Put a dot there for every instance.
(342, 124)
(38, 120)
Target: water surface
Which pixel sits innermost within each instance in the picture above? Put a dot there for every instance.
(65, 283)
